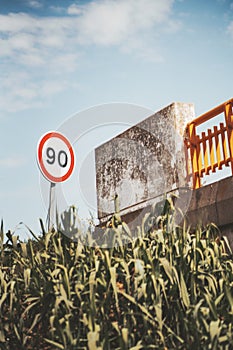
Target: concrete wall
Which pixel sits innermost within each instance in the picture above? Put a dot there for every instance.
(144, 162)
(213, 204)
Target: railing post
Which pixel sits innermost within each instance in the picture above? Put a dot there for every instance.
(229, 126)
(194, 155)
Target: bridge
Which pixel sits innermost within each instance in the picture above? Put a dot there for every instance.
(171, 152)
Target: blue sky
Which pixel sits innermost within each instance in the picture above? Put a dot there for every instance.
(61, 57)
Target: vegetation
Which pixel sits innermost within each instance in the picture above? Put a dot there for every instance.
(166, 289)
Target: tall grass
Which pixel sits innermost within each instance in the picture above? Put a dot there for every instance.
(166, 289)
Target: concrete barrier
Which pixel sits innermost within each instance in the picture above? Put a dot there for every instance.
(213, 204)
(144, 162)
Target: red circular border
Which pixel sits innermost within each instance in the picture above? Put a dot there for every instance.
(40, 160)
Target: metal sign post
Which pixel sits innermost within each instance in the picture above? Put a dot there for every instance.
(52, 206)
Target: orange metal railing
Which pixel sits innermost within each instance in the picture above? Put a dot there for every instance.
(210, 149)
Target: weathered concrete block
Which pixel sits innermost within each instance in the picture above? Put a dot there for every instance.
(143, 163)
(224, 201)
(213, 204)
(203, 209)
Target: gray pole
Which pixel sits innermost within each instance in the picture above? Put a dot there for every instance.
(52, 206)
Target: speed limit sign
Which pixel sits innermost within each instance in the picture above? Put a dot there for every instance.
(55, 157)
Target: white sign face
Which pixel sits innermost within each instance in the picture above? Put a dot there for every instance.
(55, 157)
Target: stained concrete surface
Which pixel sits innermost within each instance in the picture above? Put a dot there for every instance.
(144, 162)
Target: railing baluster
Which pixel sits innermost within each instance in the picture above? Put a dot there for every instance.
(187, 150)
(211, 150)
(194, 155)
(224, 146)
(229, 125)
(218, 154)
(199, 156)
(205, 151)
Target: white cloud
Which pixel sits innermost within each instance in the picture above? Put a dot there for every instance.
(67, 62)
(13, 162)
(19, 91)
(103, 22)
(74, 10)
(110, 22)
(16, 22)
(51, 88)
(47, 49)
(35, 4)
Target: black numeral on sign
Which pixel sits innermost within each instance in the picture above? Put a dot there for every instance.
(51, 155)
(62, 157)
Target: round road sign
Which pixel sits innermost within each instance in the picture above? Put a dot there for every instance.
(55, 157)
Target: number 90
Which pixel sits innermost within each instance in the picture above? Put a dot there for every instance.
(62, 157)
